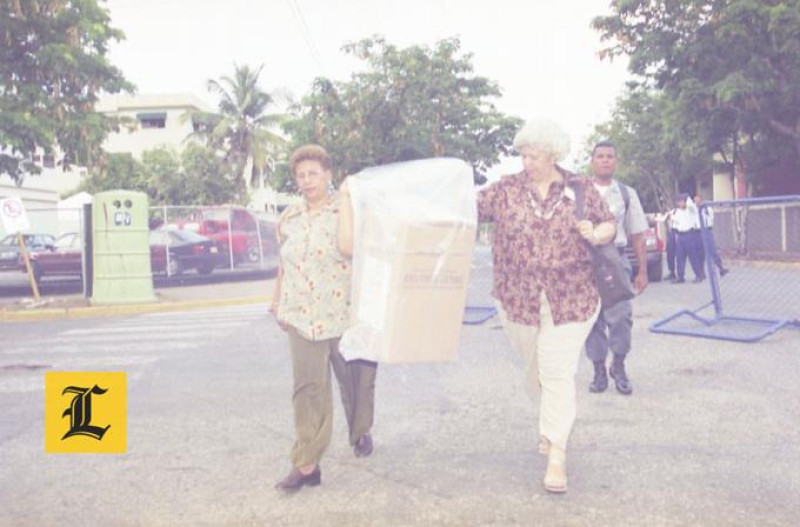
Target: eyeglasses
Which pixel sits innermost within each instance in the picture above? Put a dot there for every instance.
(310, 175)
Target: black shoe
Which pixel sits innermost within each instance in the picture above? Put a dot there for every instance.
(679, 281)
(671, 276)
(698, 280)
(600, 382)
(363, 446)
(723, 272)
(296, 479)
(617, 372)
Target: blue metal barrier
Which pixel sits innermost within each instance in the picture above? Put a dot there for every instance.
(711, 320)
(480, 304)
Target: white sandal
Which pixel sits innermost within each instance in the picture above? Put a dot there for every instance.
(556, 483)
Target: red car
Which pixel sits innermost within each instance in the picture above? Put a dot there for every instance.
(9, 248)
(242, 236)
(63, 258)
(187, 250)
(654, 248)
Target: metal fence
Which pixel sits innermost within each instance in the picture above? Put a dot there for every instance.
(56, 247)
(758, 242)
(245, 239)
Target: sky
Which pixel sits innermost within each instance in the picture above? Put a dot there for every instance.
(542, 53)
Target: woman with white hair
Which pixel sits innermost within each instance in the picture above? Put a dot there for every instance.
(543, 279)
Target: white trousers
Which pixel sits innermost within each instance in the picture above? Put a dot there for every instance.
(551, 354)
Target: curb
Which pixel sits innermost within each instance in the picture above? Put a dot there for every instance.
(117, 310)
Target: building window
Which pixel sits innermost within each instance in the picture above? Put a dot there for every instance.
(152, 120)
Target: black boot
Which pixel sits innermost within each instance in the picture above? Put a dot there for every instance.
(600, 382)
(617, 372)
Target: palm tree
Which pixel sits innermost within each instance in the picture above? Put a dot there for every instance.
(241, 128)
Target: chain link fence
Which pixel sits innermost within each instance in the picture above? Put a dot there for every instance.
(245, 240)
(55, 246)
(751, 258)
(201, 240)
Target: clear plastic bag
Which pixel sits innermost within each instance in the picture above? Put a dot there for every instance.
(414, 229)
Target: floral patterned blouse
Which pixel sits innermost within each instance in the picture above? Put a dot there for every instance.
(537, 247)
(315, 287)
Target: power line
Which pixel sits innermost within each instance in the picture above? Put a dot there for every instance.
(306, 33)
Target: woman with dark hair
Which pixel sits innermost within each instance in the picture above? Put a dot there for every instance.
(311, 302)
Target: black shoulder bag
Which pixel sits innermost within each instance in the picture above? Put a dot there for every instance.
(612, 279)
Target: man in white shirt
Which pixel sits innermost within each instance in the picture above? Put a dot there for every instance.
(612, 331)
(709, 243)
(672, 244)
(687, 229)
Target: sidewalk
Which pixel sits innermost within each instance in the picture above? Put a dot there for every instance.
(173, 296)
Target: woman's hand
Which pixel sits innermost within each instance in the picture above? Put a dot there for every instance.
(597, 234)
(586, 230)
(273, 308)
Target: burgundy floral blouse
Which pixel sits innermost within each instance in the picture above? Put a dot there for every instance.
(536, 246)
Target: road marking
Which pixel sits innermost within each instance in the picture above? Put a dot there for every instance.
(150, 328)
(255, 309)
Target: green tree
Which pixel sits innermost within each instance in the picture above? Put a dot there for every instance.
(242, 128)
(406, 103)
(161, 168)
(655, 160)
(731, 69)
(115, 171)
(196, 176)
(206, 179)
(53, 63)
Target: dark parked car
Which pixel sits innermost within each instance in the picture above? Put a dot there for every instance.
(9, 248)
(187, 250)
(654, 250)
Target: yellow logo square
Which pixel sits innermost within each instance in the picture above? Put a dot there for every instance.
(85, 412)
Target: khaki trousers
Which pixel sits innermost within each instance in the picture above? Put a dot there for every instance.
(551, 354)
(357, 386)
(312, 396)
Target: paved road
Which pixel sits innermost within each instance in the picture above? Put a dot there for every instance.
(14, 289)
(709, 437)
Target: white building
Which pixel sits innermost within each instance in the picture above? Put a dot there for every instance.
(155, 121)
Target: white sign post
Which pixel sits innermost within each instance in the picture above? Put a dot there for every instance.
(12, 212)
(15, 220)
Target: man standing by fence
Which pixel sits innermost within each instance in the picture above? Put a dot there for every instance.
(672, 244)
(709, 243)
(612, 331)
(687, 228)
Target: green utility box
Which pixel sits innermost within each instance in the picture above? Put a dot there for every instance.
(121, 248)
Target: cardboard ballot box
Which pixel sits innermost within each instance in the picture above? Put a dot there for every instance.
(409, 289)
